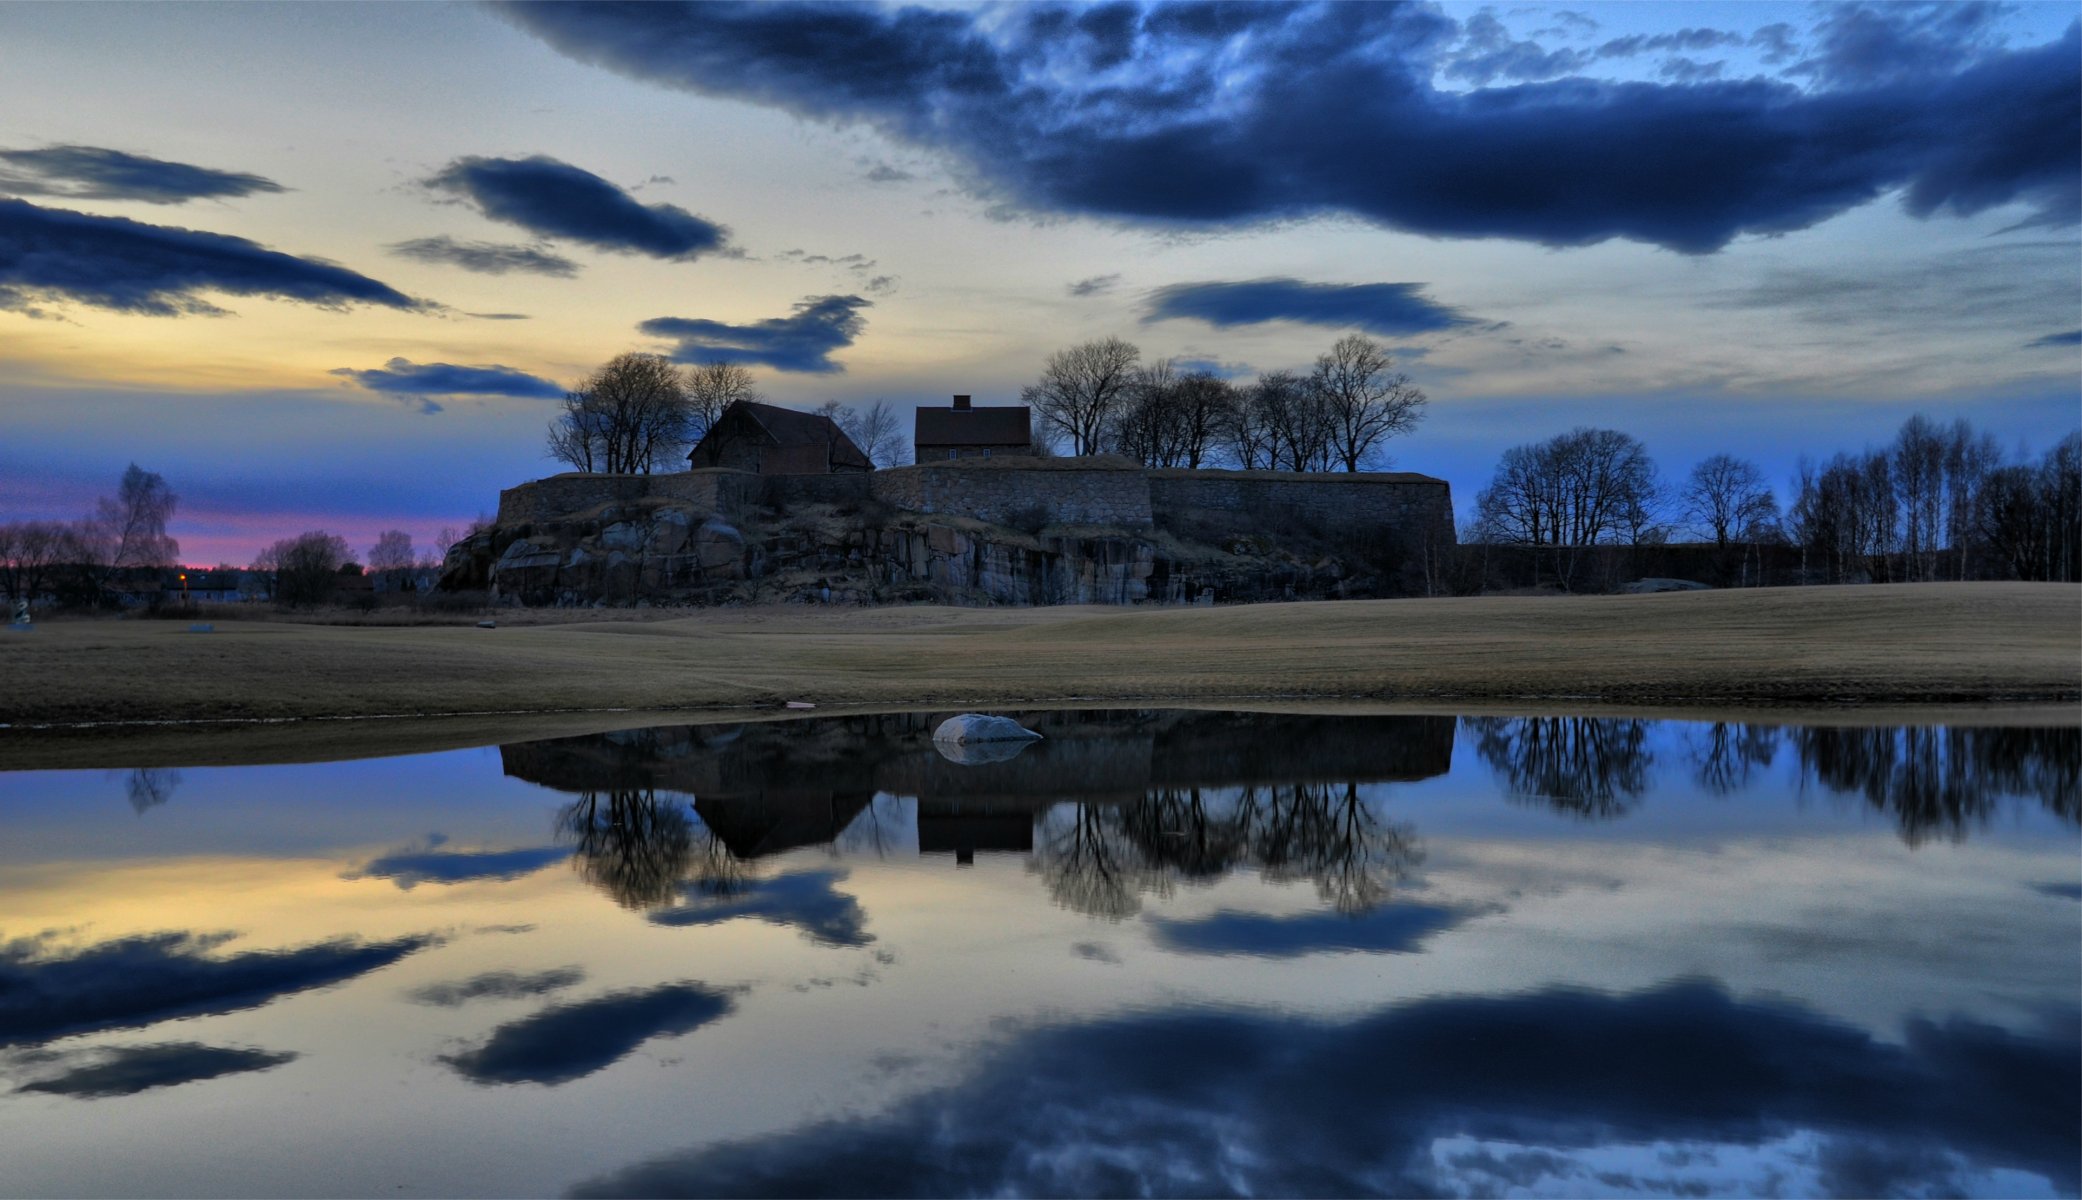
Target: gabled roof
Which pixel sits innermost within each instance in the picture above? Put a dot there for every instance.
(942, 426)
(789, 428)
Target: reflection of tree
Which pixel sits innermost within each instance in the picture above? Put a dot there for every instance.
(151, 787)
(630, 844)
(1086, 861)
(1941, 781)
(1728, 754)
(1331, 837)
(1101, 859)
(1589, 766)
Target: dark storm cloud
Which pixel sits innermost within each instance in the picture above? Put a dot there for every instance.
(2072, 337)
(1386, 308)
(1197, 1103)
(807, 900)
(1860, 45)
(802, 341)
(570, 1041)
(498, 985)
(486, 258)
(1662, 43)
(46, 992)
(554, 199)
(1198, 115)
(403, 377)
(159, 270)
(1095, 285)
(1400, 928)
(97, 173)
(128, 1070)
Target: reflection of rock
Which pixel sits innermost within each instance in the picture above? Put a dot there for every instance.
(976, 754)
(978, 727)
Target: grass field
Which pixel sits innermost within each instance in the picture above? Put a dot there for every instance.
(1934, 643)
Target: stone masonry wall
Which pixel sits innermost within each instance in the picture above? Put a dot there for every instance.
(558, 496)
(1070, 492)
(784, 490)
(1402, 499)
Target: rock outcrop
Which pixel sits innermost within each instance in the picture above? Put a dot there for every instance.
(668, 550)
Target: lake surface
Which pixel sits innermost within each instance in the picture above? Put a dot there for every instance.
(1159, 952)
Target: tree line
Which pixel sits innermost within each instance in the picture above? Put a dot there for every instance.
(81, 564)
(1101, 397)
(1937, 502)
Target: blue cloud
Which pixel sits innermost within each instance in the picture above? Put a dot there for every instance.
(402, 377)
(486, 258)
(51, 254)
(1195, 1102)
(807, 900)
(128, 1070)
(95, 173)
(2072, 337)
(1199, 115)
(45, 992)
(409, 868)
(802, 341)
(1865, 45)
(554, 199)
(1386, 308)
(1400, 928)
(570, 1041)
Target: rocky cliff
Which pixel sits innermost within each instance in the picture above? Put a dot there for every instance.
(668, 550)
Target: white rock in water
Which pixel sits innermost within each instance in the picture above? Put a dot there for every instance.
(976, 727)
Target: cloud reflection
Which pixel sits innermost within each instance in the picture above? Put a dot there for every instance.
(570, 1041)
(47, 992)
(128, 1070)
(1197, 1103)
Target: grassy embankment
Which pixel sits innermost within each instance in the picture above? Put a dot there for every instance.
(1921, 644)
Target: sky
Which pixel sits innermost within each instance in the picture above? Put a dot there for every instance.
(332, 266)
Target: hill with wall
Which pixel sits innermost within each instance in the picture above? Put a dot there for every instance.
(1095, 530)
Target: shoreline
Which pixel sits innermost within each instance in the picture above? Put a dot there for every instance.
(1838, 652)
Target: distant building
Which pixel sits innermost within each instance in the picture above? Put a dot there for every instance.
(769, 440)
(965, 431)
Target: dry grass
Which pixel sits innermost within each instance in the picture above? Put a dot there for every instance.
(1891, 653)
(1934, 643)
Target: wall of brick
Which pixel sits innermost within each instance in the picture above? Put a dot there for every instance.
(1102, 492)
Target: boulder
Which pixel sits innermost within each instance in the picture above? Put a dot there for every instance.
(979, 727)
(622, 536)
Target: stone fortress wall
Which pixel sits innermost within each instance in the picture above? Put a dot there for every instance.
(1100, 491)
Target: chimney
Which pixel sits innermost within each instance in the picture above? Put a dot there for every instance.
(961, 404)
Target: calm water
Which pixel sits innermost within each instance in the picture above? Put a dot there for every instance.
(1159, 952)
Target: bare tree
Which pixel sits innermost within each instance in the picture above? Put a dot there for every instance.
(1582, 488)
(1081, 387)
(1365, 400)
(30, 554)
(711, 388)
(132, 524)
(1728, 499)
(1918, 475)
(1145, 426)
(306, 567)
(628, 417)
(392, 552)
(875, 429)
(1289, 421)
